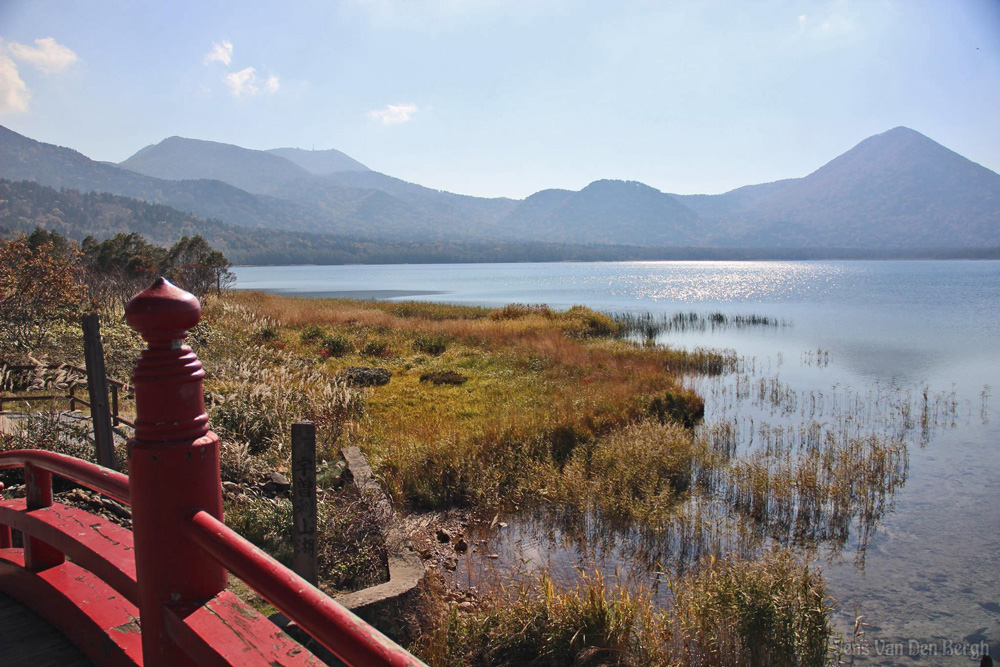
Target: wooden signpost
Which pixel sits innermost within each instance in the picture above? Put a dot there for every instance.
(304, 500)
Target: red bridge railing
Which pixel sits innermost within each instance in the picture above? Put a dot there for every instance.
(157, 595)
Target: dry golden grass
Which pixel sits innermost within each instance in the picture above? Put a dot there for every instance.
(539, 384)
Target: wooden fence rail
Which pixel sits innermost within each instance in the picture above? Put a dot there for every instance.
(115, 386)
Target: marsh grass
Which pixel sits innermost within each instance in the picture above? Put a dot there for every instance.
(649, 327)
(771, 611)
(558, 406)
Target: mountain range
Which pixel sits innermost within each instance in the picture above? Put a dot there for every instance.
(897, 190)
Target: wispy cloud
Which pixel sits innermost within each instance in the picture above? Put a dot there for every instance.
(14, 94)
(47, 55)
(241, 83)
(246, 82)
(394, 114)
(222, 53)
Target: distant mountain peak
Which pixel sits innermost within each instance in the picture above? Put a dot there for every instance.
(179, 158)
(321, 162)
(897, 189)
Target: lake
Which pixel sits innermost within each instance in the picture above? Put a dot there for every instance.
(911, 347)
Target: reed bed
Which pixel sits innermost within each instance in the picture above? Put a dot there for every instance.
(769, 611)
(649, 327)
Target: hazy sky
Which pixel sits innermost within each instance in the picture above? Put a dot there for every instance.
(506, 97)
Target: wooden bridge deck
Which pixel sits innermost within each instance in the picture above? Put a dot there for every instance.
(26, 639)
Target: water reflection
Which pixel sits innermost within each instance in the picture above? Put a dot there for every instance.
(818, 470)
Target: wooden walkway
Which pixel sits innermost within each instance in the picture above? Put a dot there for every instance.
(26, 639)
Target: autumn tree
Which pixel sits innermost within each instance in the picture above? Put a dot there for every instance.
(120, 267)
(196, 267)
(39, 285)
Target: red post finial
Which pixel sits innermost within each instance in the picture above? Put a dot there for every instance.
(169, 399)
(173, 467)
(163, 313)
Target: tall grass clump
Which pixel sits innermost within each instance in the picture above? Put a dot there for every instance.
(516, 311)
(267, 522)
(637, 473)
(649, 327)
(258, 402)
(773, 611)
(50, 432)
(813, 492)
(534, 623)
(580, 321)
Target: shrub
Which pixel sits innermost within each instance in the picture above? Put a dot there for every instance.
(266, 333)
(267, 522)
(312, 334)
(377, 347)
(39, 284)
(351, 552)
(443, 377)
(430, 344)
(351, 548)
(336, 345)
(679, 405)
(365, 376)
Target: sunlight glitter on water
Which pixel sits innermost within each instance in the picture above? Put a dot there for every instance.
(722, 282)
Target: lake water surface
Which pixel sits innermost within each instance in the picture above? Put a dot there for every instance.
(875, 333)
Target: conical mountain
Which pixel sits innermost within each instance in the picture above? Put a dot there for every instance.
(893, 190)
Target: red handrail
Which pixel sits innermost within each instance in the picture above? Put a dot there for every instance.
(181, 547)
(110, 483)
(335, 627)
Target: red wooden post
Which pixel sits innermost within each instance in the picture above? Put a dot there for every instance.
(114, 404)
(5, 541)
(37, 554)
(173, 467)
